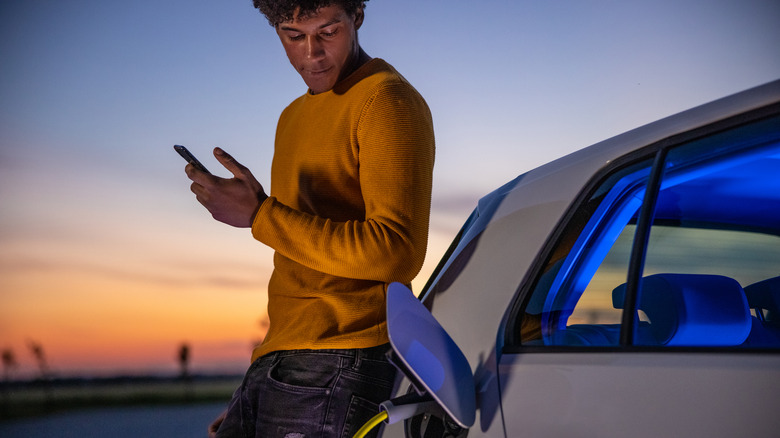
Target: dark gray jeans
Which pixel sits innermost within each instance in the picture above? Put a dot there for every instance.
(310, 394)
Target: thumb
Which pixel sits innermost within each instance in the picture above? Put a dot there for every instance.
(237, 169)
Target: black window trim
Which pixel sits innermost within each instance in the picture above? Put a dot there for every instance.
(636, 263)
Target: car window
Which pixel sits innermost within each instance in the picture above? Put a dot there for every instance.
(558, 301)
(710, 266)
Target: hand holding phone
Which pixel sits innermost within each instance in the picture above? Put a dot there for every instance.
(187, 155)
(234, 201)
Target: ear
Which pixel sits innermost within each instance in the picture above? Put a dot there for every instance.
(359, 16)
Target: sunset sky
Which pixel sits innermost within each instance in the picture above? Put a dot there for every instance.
(109, 263)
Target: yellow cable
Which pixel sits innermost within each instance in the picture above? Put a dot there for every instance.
(370, 424)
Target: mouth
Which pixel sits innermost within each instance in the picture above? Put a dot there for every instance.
(318, 79)
(319, 72)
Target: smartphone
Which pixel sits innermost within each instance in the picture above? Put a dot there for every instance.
(187, 155)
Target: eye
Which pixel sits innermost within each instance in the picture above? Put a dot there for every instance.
(329, 33)
(296, 37)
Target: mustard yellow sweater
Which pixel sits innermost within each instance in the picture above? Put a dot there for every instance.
(348, 210)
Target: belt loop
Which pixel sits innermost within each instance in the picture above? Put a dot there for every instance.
(358, 354)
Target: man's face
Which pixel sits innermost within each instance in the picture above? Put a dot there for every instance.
(322, 47)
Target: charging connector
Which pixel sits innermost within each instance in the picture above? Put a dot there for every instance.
(407, 406)
(398, 409)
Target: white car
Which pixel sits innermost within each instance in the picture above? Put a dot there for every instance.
(630, 289)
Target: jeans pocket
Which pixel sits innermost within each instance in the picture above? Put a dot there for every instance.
(360, 411)
(296, 397)
(304, 374)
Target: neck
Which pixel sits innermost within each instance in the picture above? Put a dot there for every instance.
(360, 58)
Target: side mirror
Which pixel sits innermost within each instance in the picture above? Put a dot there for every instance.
(429, 357)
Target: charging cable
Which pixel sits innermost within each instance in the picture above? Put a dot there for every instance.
(400, 408)
(370, 424)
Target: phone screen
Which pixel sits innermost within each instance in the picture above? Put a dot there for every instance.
(187, 155)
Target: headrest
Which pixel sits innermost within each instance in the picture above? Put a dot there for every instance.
(765, 295)
(692, 309)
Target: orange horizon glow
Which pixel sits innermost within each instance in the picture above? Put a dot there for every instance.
(126, 315)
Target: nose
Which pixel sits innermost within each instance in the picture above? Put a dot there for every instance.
(314, 47)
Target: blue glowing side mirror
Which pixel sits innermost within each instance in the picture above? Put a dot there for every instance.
(429, 356)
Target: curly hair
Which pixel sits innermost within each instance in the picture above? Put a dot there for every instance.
(280, 11)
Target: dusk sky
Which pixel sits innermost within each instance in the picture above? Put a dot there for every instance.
(108, 261)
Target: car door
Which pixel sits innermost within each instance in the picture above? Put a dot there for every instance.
(654, 311)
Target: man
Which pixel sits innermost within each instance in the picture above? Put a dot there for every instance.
(347, 214)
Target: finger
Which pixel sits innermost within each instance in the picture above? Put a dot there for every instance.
(237, 169)
(199, 191)
(196, 175)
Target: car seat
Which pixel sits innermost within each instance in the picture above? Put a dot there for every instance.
(690, 310)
